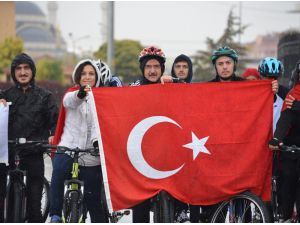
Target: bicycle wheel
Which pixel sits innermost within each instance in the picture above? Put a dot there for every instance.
(167, 206)
(156, 211)
(19, 206)
(45, 203)
(72, 208)
(242, 208)
(163, 208)
(8, 216)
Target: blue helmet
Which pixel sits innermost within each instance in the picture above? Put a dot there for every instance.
(270, 67)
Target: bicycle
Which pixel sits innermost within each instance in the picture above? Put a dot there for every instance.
(276, 208)
(245, 207)
(15, 202)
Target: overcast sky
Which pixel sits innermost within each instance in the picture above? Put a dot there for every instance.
(176, 27)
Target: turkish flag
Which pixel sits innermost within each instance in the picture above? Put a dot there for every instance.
(202, 143)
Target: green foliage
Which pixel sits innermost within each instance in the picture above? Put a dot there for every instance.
(9, 48)
(203, 68)
(49, 69)
(125, 62)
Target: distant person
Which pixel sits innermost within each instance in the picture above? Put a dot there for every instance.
(182, 71)
(272, 68)
(288, 133)
(251, 74)
(152, 64)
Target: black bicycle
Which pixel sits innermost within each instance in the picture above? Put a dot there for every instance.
(15, 205)
(241, 208)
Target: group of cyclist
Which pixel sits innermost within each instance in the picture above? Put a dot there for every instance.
(34, 115)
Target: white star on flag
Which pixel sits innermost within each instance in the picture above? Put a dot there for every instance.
(197, 145)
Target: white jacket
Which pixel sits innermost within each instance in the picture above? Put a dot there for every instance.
(79, 129)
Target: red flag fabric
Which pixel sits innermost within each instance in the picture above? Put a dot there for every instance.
(202, 143)
(61, 119)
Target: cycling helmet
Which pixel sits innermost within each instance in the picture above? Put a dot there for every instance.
(224, 51)
(152, 52)
(270, 67)
(105, 74)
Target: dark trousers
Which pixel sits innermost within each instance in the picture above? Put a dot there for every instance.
(290, 186)
(141, 212)
(34, 165)
(3, 170)
(92, 178)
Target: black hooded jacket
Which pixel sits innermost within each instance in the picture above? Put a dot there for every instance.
(33, 113)
(183, 58)
(234, 78)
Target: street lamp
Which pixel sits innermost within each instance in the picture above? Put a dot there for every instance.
(75, 40)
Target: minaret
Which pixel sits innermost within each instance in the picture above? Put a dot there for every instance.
(103, 24)
(52, 12)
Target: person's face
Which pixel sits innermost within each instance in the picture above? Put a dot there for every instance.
(152, 70)
(251, 77)
(88, 76)
(225, 66)
(23, 74)
(181, 70)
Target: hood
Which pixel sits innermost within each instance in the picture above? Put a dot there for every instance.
(76, 74)
(184, 58)
(22, 59)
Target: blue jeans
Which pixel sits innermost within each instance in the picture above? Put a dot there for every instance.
(92, 178)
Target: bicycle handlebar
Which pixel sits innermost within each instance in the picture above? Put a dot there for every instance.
(293, 148)
(20, 141)
(63, 149)
(178, 80)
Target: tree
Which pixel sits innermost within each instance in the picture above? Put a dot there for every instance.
(49, 69)
(126, 58)
(203, 68)
(9, 48)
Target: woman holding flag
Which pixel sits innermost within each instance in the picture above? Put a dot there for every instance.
(77, 106)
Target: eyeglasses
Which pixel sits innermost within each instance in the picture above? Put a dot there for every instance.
(149, 67)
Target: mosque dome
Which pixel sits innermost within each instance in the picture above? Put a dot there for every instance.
(39, 36)
(28, 8)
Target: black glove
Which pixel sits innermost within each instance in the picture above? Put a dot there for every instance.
(96, 147)
(81, 93)
(296, 105)
(274, 142)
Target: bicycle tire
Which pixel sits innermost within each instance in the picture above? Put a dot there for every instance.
(45, 203)
(156, 210)
(248, 204)
(7, 203)
(71, 208)
(167, 211)
(19, 206)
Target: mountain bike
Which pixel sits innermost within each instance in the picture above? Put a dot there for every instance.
(276, 208)
(242, 208)
(15, 203)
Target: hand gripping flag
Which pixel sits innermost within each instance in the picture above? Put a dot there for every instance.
(202, 143)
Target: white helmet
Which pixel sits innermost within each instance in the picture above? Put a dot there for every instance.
(105, 74)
